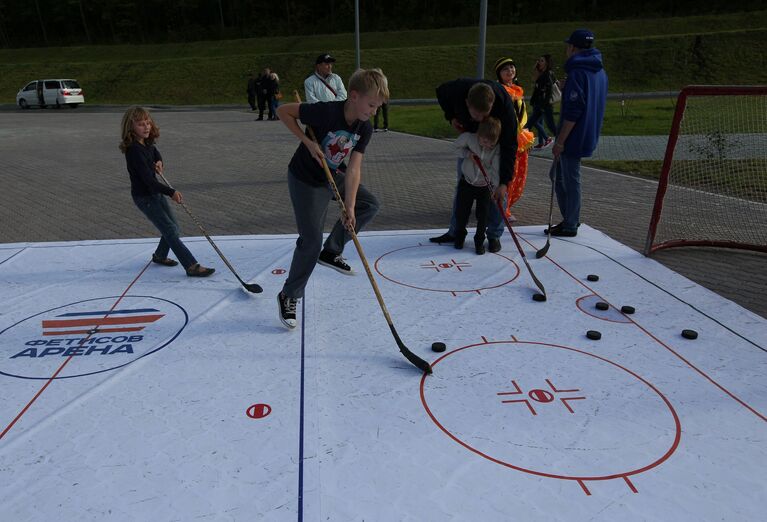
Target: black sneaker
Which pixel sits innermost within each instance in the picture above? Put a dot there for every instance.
(335, 261)
(560, 231)
(444, 238)
(563, 232)
(493, 245)
(287, 307)
(479, 245)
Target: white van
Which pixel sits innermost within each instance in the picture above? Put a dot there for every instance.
(50, 93)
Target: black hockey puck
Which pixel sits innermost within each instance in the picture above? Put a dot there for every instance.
(626, 309)
(438, 347)
(689, 334)
(539, 297)
(601, 305)
(593, 335)
(592, 277)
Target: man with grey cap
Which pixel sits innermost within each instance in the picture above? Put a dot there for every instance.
(324, 85)
(580, 122)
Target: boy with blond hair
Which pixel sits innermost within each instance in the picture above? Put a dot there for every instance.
(342, 129)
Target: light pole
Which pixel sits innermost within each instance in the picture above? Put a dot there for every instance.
(357, 32)
(481, 47)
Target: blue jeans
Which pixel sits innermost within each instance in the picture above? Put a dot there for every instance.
(494, 218)
(541, 114)
(157, 209)
(568, 189)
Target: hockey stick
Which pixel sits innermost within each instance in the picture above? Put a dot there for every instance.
(553, 175)
(410, 356)
(508, 225)
(250, 287)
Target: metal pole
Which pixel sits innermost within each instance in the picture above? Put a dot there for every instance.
(357, 32)
(481, 47)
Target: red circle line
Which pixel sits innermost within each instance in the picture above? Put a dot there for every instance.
(659, 461)
(377, 269)
(578, 306)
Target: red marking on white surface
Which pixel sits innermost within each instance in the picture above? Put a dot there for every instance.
(541, 396)
(278, 271)
(581, 479)
(258, 411)
(66, 361)
(458, 265)
(661, 343)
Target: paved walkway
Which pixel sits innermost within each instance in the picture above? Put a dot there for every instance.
(644, 148)
(63, 178)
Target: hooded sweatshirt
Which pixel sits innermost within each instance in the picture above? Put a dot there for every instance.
(583, 101)
(468, 143)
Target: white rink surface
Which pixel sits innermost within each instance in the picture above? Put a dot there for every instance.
(641, 425)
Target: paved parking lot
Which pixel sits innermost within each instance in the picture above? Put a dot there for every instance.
(63, 178)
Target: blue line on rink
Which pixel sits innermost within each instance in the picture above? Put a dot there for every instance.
(301, 418)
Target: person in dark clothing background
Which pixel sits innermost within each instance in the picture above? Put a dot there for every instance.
(252, 91)
(261, 86)
(542, 101)
(384, 110)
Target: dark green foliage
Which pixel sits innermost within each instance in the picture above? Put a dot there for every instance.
(35, 23)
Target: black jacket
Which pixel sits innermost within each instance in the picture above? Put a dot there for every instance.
(452, 98)
(542, 90)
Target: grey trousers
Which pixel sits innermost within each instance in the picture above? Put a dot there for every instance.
(310, 206)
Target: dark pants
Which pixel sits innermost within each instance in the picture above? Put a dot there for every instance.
(157, 209)
(542, 114)
(310, 206)
(252, 101)
(465, 197)
(261, 105)
(384, 109)
(494, 219)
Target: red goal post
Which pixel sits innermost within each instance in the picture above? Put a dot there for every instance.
(712, 189)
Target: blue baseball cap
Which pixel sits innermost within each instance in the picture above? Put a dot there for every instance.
(581, 38)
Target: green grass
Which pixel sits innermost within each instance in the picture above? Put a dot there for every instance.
(640, 55)
(737, 178)
(630, 118)
(645, 169)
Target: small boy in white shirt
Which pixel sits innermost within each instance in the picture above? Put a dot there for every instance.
(472, 186)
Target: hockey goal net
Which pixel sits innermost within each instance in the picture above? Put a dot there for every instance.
(713, 185)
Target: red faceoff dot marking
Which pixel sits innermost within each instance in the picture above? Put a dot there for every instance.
(258, 411)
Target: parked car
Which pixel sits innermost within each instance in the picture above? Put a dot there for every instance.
(50, 93)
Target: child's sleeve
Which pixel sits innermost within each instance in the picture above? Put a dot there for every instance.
(137, 165)
(461, 145)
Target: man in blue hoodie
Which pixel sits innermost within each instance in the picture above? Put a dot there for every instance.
(581, 113)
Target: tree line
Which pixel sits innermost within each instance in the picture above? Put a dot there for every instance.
(36, 23)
